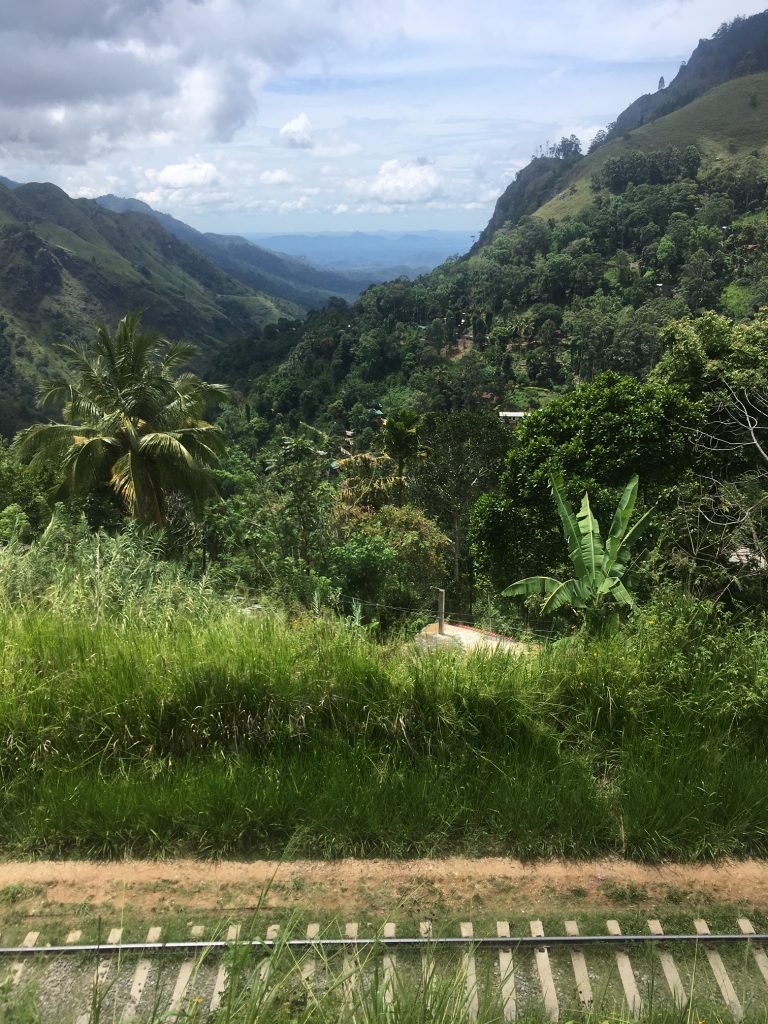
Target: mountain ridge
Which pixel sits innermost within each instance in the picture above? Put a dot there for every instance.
(713, 64)
(66, 263)
(279, 275)
(739, 47)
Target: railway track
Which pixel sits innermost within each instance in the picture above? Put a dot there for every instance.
(498, 976)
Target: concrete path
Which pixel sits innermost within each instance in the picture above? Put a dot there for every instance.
(471, 638)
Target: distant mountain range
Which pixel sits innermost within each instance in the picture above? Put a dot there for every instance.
(280, 276)
(65, 263)
(387, 254)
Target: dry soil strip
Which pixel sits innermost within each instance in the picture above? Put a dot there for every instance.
(340, 884)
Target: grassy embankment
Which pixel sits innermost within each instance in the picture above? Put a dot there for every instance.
(140, 713)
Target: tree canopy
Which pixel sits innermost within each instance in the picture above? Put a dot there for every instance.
(131, 422)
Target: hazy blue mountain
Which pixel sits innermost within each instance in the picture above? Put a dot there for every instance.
(387, 254)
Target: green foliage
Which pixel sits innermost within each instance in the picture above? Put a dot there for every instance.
(599, 567)
(596, 436)
(541, 300)
(14, 525)
(464, 457)
(65, 261)
(392, 559)
(130, 423)
(144, 713)
(654, 168)
(401, 443)
(26, 487)
(95, 577)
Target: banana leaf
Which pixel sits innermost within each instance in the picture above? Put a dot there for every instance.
(570, 525)
(592, 551)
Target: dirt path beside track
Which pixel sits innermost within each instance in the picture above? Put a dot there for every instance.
(350, 887)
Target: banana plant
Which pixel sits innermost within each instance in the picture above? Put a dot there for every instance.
(596, 590)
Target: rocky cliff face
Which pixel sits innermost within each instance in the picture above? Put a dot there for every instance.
(737, 49)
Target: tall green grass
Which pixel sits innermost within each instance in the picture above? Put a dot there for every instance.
(142, 713)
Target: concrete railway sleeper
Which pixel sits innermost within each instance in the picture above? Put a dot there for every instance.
(556, 973)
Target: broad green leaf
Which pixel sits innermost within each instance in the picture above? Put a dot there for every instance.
(532, 585)
(570, 524)
(592, 552)
(622, 596)
(566, 594)
(619, 566)
(620, 521)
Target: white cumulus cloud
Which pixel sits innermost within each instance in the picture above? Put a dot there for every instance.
(279, 176)
(190, 174)
(398, 183)
(297, 134)
(294, 204)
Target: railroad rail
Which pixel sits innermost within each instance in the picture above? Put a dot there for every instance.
(265, 946)
(556, 978)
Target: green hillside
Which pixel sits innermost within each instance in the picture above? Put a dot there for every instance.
(278, 275)
(727, 123)
(738, 49)
(65, 263)
(584, 263)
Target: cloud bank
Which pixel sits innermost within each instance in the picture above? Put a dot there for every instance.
(327, 112)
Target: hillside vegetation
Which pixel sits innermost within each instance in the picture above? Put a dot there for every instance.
(726, 124)
(65, 263)
(278, 275)
(738, 49)
(209, 615)
(144, 713)
(584, 261)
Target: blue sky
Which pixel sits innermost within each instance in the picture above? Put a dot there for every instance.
(315, 115)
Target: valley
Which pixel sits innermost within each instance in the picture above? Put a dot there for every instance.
(243, 476)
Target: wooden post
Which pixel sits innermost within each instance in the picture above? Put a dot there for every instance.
(441, 611)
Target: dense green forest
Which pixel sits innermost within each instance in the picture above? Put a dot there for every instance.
(248, 561)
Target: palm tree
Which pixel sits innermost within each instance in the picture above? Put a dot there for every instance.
(596, 590)
(130, 421)
(401, 444)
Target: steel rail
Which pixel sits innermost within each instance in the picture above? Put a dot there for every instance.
(416, 942)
